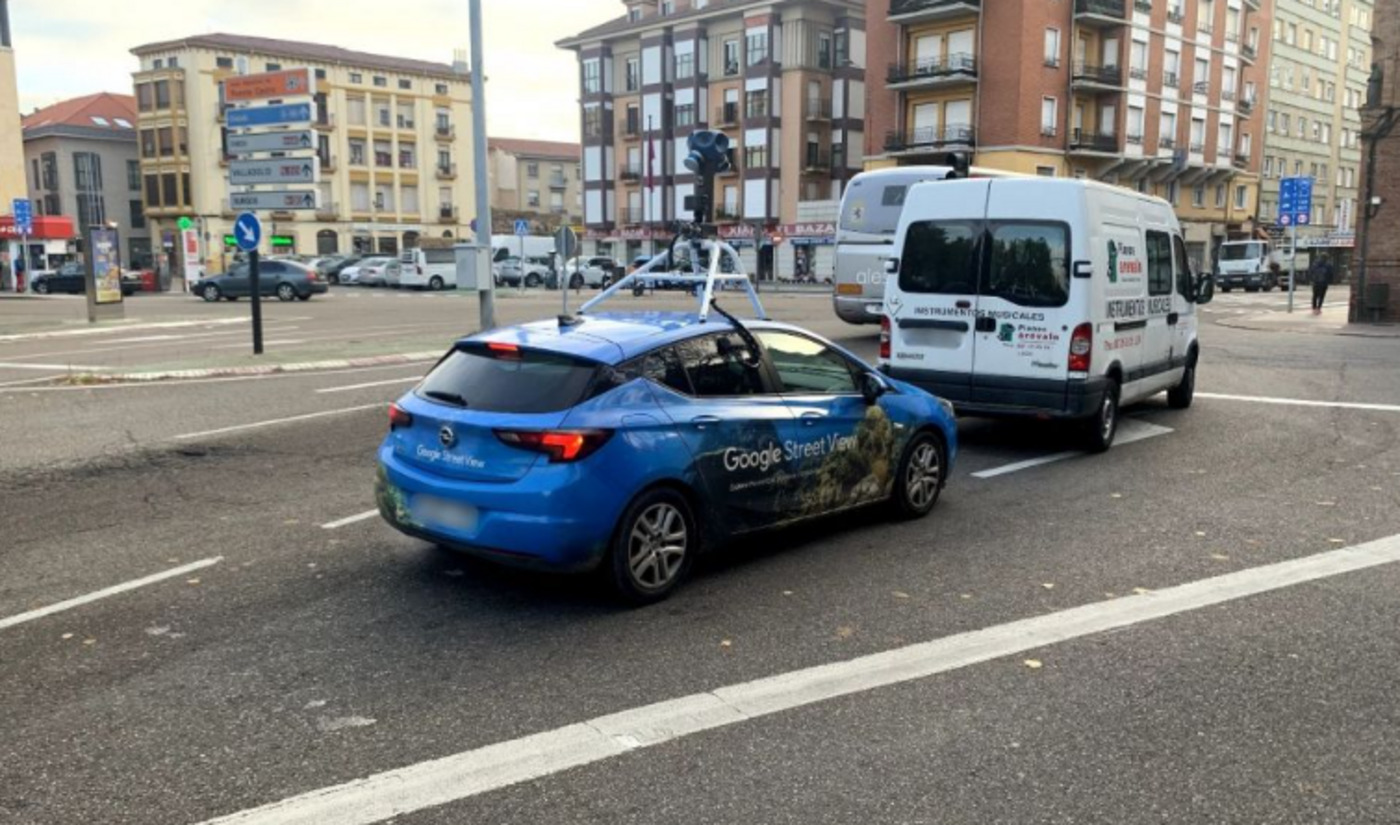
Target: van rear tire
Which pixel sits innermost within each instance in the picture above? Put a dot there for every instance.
(1102, 427)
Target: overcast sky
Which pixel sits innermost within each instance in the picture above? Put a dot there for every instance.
(67, 48)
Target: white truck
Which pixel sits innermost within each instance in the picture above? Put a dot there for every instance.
(1250, 265)
(509, 246)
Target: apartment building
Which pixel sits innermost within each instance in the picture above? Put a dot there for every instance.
(539, 180)
(83, 163)
(1376, 292)
(12, 184)
(785, 79)
(1163, 96)
(1317, 85)
(393, 135)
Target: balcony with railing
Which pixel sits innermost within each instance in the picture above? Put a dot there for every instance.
(1084, 140)
(631, 214)
(727, 115)
(1201, 87)
(728, 212)
(916, 11)
(1166, 143)
(1227, 95)
(632, 128)
(447, 171)
(327, 161)
(933, 71)
(1245, 106)
(328, 211)
(1133, 139)
(445, 131)
(815, 161)
(1170, 80)
(558, 181)
(1101, 12)
(1198, 148)
(1144, 6)
(924, 138)
(1241, 160)
(1175, 15)
(629, 172)
(1248, 51)
(818, 109)
(1085, 74)
(447, 213)
(325, 121)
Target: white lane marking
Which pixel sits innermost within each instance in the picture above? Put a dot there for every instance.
(26, 381)
(11, 365)
(110, 591)
(83, 332)
(1300, 402)
(223, 380)
(246, 344)
(1128, 432)
(401, 791)
(257, 425)
(348, 520)
(351, 387)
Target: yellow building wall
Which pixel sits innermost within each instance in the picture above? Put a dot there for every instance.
(12, 179)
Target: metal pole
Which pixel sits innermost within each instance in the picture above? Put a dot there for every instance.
(522, 263)
(255, 296)
(23, 256)
(1293, 261)
(485, 284)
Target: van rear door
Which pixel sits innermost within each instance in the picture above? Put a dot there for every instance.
(932, 301)
(1023, 326)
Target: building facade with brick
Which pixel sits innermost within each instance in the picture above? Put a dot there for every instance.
(1317, 82)
(538, 180)
(1377, 293)
(1163, 96)
(785, 79)
(393, 135)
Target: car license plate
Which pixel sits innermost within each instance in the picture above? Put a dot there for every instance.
(433, 511)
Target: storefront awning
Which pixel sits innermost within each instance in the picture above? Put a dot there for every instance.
(46, 227)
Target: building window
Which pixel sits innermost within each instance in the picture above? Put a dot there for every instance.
(136, 214)
(1049, 115)
(224, 62)
(440, 89)
(532, 171)
(592, 76)
(1198, 195)
(408, 156)
(1220, 196)
(684, 115)
(593, 122)
(731, 58)
(153, 190)
(1052, 47)
(1045, 171)
(757, 46)
(633, 81)
(823, 51)
(166, 139)
(356, 77)
(685, 66)
(634, 14)
(532, 198)
(162, 94)
(320, 74)
(169, 190)
(87, 172)
(405, 84)
(381, 81)
(756, 104)
(133, 175)
(1241, 197)
(755, 157)
(357, 152)
(383, 154)
(668, 7)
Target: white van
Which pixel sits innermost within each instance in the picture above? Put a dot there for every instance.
(1042, 297)
(431, 268)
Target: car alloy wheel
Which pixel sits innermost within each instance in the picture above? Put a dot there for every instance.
(286, 292)
(211, 293)
(925, 474)
(657, 546)
(435, 284)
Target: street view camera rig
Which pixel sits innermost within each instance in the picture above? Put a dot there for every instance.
(709, 156)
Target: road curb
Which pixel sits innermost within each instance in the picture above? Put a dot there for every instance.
(252, 371)
(1253, 324)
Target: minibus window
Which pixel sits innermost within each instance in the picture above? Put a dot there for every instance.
(940, 258)
(1029, 264)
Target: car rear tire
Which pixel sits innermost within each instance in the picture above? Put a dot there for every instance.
(286, 292)
(1181, 396)
(533, 281)
(42, 288)
(576, 282)
(921, 476)
(210, 293)
(653, 547)
(1101, 428)
(435, 283)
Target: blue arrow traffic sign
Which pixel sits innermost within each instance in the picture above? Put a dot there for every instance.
(281, 115)
(24, 216)
(522, 227)
(247, 231)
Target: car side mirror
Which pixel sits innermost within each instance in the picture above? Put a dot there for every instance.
(872, 387)
(1205, 288)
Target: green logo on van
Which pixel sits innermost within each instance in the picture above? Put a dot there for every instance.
(1112, 262)
(1006, 333)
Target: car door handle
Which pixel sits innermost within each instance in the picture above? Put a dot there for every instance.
(703, 421)
(1172, 318)
(811, 418)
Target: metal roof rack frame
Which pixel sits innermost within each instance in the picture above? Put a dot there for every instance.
(705, 282)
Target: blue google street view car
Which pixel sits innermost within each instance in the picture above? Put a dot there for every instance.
(632, 442)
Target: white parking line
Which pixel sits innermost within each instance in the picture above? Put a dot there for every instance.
(238, 428)
(390, 382)
(11, 365)
(110, 591)
(401, 791)
(1128, 432)
(1300, 402)
(355, 519)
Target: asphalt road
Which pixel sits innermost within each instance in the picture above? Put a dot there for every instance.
(301, 657)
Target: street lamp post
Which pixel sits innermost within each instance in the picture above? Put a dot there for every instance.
(485, 284)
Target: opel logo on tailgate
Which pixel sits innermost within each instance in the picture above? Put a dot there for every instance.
(447, 436)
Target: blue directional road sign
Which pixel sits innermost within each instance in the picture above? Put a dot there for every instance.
(1295, 201)
(24, 216)
(247, 231)
(286, 114)
(522, 228)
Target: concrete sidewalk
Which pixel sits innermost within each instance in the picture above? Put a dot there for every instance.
(1332, 321)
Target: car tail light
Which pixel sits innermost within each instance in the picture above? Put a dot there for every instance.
(562, 446)
(884, 337)
(1081, 348)
(399, 417)
(501, 350)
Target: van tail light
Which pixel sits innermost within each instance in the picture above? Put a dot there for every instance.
(884, 337)
(399, 417)
(562, 446)
(1081, 348)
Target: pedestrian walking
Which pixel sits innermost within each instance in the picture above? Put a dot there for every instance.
(1320, 273)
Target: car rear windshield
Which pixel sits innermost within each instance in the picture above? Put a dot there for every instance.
(508, 380)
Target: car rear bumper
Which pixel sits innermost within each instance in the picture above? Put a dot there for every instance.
(998, 396)
(855, 309)
(554, 519)
(318, 288)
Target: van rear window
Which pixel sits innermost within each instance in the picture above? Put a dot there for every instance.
(1029, 264)
(506, 379)
(440, 256)
(940, 258)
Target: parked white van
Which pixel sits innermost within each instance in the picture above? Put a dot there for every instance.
(431, 268)
(1042, 297)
